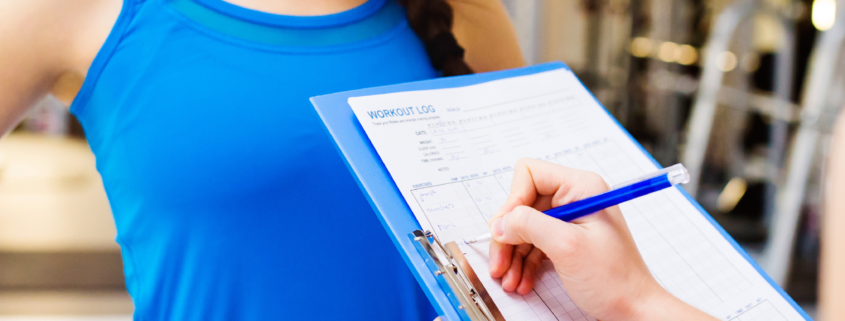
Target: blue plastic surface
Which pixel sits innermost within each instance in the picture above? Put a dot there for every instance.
(590, 205)
(372, 176)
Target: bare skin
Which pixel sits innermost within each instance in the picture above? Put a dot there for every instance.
(44, 41)
(831, 278)
(595, 256)
(299, 7)
(48, 45)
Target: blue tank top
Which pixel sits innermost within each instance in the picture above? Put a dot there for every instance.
(230, 201)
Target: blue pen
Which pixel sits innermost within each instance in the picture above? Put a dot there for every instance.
(625, 191)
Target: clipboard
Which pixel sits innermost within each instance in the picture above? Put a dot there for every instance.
(446, 282)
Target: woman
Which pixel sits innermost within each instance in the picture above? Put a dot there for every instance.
(229, 199)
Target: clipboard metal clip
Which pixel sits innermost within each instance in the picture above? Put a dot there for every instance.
(456, 278)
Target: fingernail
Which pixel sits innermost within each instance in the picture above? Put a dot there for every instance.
(498, 230)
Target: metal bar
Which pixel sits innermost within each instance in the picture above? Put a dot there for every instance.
(442, 272)
(764, 104)
(704, 108)
(778, 251)
(778, 130)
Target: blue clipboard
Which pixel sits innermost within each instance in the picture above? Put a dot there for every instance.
(372, 176)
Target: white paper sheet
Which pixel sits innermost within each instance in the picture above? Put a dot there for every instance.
(451, 152)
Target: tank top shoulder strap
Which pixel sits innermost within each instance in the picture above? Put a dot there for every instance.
(121, 25)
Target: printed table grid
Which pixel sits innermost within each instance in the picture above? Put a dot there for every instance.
(681, 266)
(548, 300)
(763, 311)
(676, 252)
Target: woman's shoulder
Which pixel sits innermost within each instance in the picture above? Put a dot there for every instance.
(55, 41)
(483, 28)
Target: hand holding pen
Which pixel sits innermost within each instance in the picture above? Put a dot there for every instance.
(594, 255)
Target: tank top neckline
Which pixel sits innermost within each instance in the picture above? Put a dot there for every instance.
(323, 21)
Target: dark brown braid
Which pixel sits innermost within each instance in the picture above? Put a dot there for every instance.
(432, 22)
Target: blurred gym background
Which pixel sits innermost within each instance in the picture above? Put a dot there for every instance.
(743, 92)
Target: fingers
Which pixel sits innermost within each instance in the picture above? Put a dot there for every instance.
(525, 263)
(527, 225)
(542, 202)
(513, 275)
(500, 258)
(545, 185)
(530, 266)
(515, 226)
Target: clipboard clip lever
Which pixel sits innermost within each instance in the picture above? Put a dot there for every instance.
(456, 278)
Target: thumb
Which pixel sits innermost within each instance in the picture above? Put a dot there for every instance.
(527, 225)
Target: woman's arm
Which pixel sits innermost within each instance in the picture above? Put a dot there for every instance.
(482, 27)
(832, 278)
(42, 41)
(595, 256)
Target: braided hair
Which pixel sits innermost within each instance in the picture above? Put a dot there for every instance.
(432, 21)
